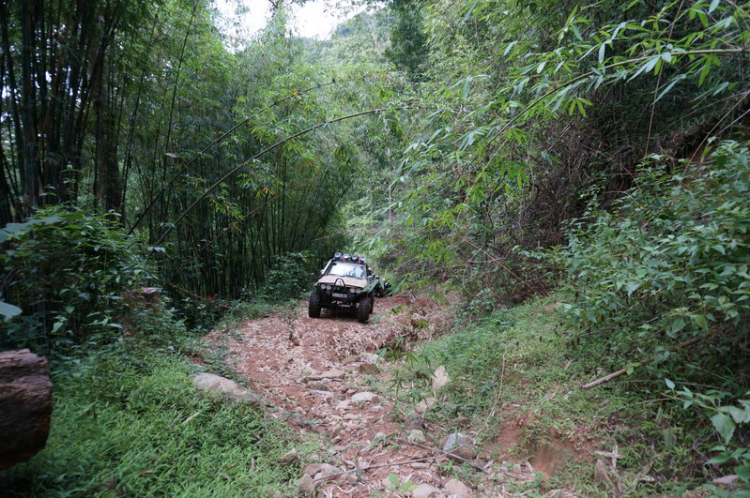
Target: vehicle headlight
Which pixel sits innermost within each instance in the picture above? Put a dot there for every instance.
(354, 290)
(325, 287)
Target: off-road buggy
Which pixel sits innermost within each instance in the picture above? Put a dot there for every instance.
(345, 282)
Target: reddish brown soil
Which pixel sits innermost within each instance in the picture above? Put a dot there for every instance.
(287, 359)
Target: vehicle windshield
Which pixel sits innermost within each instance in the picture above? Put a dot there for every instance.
(347, 270)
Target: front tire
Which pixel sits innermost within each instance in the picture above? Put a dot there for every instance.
(313, 308)
(363, 310)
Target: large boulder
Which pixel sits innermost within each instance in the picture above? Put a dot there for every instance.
(25, 406)
(227, 388)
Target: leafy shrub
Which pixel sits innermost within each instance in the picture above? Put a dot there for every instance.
(68, 274)
(668, 266)
(289, 276)
(672, 261)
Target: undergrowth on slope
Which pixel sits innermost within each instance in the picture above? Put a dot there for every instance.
(663, 286)
(516, 372)
(136, 427)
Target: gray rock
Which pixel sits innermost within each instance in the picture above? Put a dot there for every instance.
(306, 485)
(370, 357)
(364, 397)
(440, 379)
(369, 369)
(424, 405)
(460, 445)
(426, 491)
(290, 457)
(318, 386)
(415, 436)
(227, 388)
(320, 470)
(343, 405)
(458, 489)
(330, 374)
(727, 480)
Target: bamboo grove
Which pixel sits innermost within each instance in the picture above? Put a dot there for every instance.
(135, 108)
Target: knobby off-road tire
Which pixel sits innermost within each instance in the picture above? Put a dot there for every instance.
(363, 310)
(313, 308)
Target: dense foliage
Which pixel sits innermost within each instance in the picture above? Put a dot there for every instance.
(666, 269)
(71, 272)
(499, 148)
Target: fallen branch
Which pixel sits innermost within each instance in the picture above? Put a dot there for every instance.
(446, 453)
(337, 474)
(623, 371)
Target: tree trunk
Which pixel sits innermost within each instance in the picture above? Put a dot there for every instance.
(25, 406)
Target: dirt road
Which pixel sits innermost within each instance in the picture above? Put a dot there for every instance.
(323, 377)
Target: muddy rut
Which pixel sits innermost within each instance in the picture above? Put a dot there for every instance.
(322, 377)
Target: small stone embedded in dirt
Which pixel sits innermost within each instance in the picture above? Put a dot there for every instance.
(426, 491)
(369, 357)
(376, 408)
(459, 445)
(334, 431)
(307, 485)
(726, 480)
(415, 420)
(323, 394)
(369, 369)
(290, 457)
(415, 436)
(227, 388)
(456, 488)
(364, 397)
(343, 405)
(424, 405)
(419, 465)
(320, 470)
(440, 378)
(318, 386)
(329, 374)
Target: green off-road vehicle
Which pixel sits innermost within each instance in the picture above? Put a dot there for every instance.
(345, 282)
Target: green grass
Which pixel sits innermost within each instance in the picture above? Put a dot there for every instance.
(136, 427)
(519, 367)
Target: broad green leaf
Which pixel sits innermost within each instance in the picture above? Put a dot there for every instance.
(9, 311)
(724, 425)
(700, 321)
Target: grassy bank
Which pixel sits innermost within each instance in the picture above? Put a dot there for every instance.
(133, 426)
(516, 379)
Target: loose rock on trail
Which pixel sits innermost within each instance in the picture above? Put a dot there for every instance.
(322, 376)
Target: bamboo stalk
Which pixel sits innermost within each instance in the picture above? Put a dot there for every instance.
(622, 371)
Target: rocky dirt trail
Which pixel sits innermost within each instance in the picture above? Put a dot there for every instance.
(322, 377)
